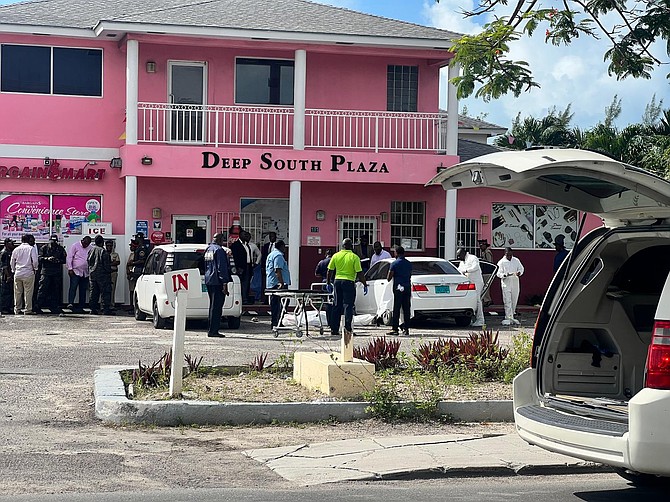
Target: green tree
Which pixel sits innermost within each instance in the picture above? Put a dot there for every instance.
(552, 130)
(629, 26)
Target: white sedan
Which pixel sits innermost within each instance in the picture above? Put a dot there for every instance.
(438, 290)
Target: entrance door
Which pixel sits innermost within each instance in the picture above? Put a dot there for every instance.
(191, 229)
(187, 87)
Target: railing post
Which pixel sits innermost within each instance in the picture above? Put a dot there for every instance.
(216, 128)
(377, 134)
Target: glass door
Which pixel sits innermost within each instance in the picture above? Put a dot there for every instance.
(191, 229)
(187, 87)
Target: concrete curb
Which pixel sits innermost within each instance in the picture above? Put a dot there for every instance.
(112, 406)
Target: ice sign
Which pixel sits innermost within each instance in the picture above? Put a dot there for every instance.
(188, 280)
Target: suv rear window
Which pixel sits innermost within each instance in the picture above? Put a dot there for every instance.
(189, 259)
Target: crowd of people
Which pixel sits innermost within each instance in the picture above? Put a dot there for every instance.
(32, 279)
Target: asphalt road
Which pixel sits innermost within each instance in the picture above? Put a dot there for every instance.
(50, 441)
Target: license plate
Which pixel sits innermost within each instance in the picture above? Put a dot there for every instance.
(204, 288)
(442, 290)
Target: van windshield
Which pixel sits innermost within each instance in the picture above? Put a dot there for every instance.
(189, 259)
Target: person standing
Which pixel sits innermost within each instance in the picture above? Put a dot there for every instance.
(115, 262)
(24, 263)
(321, 270)
(344, 268)
(130, 271)
(561, 252)
(509, 271)
(469, 266)
(243, 263)
(52, 257)
(77, 269)
(217, 277)
(379, 253)
(364, 251)
(277, 277)
(100, 269)
(6, 278)
(266, 249)
(139, 255)
(400, 272)
(485, 254)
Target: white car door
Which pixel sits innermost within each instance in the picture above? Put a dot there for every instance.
(579, 179)
(147, 282)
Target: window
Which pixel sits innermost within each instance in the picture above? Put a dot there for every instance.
(433, 268)
(51, 70)
(467, 234)
(407, 224)
(353, 227)
(532, 226)
(263, 82)
(402, 88)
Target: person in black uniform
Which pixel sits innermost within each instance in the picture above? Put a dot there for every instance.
(100, 267)
(217, 277)
(7, 278)
(50, 290)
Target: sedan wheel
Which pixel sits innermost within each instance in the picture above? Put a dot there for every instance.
(462, 321)
(159, 322)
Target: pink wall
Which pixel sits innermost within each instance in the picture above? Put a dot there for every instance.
(329, 76)
(37, 119)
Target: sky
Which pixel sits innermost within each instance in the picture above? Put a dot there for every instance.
(575, 75)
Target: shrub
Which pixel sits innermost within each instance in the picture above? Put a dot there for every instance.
(433, 355)
(381, 352)
(153, 375)
(518, 358)
(258, 363)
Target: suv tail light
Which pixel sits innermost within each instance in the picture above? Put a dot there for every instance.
(658, 357)
(420, 288)
(466, 286)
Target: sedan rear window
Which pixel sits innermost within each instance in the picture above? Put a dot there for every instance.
(433, 267)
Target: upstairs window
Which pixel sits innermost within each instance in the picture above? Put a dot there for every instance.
(402, 88)
(51, 70)
(263, 81)
(407, 224)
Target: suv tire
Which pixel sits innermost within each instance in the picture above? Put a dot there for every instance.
(158, 321)
(233, 322)
(139, 315)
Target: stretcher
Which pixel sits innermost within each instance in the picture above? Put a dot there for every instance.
(303, 301)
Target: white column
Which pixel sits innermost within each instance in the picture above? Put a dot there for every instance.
(452, 149)
(131, 207)
(294, 232)
(299, 85)
(132, 69)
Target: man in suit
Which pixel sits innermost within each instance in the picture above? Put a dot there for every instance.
(244, 263)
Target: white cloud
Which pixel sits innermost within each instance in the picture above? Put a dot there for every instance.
(447, 15)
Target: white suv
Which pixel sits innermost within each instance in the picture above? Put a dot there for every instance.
(151, 298)
(599, 383)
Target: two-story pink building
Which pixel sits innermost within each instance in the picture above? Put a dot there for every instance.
(182, 117)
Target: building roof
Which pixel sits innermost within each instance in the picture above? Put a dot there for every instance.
(468, 150)
(289, 16)
(465, 122)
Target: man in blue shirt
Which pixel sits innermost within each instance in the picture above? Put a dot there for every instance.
(217, 277)
(400, 272)
(277, 276)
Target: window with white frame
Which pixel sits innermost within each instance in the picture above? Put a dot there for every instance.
(263, 81)
(39, 69)
(354, 226)
(402, 88)
(408, 225)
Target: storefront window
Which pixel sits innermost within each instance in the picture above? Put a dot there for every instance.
(532, 226)
(407, 224)
(42, 215)
(355, 226)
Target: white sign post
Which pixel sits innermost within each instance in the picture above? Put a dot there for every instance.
(180, 286)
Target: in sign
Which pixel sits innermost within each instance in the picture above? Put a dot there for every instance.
(179, 281)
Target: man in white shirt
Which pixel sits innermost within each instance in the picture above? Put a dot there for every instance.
(509, 271)
(469, 266)
(379, 253)
(24, 263)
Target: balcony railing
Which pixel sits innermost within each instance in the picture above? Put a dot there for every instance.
(219, 125)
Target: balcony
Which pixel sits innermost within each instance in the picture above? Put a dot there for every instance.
(247, 126)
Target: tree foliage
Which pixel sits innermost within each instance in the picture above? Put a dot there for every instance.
(629, 26)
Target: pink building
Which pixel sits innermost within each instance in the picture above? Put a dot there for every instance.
(314, 122)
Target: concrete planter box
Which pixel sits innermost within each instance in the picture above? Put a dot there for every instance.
(112, 406)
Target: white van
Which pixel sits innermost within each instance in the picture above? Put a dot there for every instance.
(599, 383)
(150, 297)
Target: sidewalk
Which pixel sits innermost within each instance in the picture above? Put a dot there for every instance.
(415, 457)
